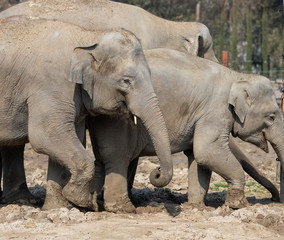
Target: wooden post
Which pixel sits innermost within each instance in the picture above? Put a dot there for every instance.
(225, 58)
(197, 18)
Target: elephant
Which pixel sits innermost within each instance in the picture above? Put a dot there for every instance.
(191, 37)
(52, 75)
(189, 89)
(153, 31)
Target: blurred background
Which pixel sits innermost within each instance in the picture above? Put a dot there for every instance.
(250, 30)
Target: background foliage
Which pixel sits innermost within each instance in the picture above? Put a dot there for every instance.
(251, 30)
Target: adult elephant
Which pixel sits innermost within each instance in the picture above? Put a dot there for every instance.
(191, 37)
(153, 31)
(189, 89)
(108, 74)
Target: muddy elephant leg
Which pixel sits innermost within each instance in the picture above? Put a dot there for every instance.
(198, 180)
(14, 179)
(58, 176)
(113, 141)
(115, 189)
(213, 152)
(64, 148)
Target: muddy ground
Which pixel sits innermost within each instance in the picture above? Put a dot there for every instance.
(162, 214)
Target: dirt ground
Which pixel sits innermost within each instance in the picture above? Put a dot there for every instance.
(162, 214)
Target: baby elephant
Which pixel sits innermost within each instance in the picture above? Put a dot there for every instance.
(203, 103)
(107, 73)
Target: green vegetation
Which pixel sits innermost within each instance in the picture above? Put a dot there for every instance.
(251, 187)
(217, 186)
(254, 187)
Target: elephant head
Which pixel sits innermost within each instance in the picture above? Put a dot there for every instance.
(258, 118)
(115, 79)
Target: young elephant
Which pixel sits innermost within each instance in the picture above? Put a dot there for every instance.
(154, 32)
(189, 91)
(108, 74)
(190, 37)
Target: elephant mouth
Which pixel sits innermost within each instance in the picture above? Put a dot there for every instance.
(122, 111)
(258, 140)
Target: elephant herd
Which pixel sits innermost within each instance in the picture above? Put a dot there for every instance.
(142, 85)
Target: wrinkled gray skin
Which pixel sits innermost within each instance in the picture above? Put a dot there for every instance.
(107, 74)
(191, 37)
(189, 89)
(153, 32)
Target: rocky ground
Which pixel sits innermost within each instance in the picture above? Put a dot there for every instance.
(163, 213)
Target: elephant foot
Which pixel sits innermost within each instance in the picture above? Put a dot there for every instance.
(236, 199)
(123, 205)
(20, 194)
(198, 205)
(54, 198)
(196, 199)
(78, 194)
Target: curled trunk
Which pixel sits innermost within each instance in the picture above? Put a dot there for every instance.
(150, 114)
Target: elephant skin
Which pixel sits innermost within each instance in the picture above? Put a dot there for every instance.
(200, 101)
(153, 31)
(191, 37)
(107, 74)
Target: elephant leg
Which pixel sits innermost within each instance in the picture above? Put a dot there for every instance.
(98, 181)
(253, 171)
(58, 176)
(198, 180)
(62, 144)
(131, 175)
(115, 189)
(14, 179)
(213, 152)
(113, 143)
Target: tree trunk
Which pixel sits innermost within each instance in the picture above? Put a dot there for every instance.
(249, 40)
(222, 34)
(234, 51)
(197, 18)
(264, 42)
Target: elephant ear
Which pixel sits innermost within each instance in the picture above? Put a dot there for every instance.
(192, 44)
(83, 68)
(240, 99)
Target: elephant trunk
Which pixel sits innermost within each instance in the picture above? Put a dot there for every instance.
(150, 114)
(275, 135)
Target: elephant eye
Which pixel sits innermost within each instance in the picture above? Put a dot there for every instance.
(270, 119)
(125, 82)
